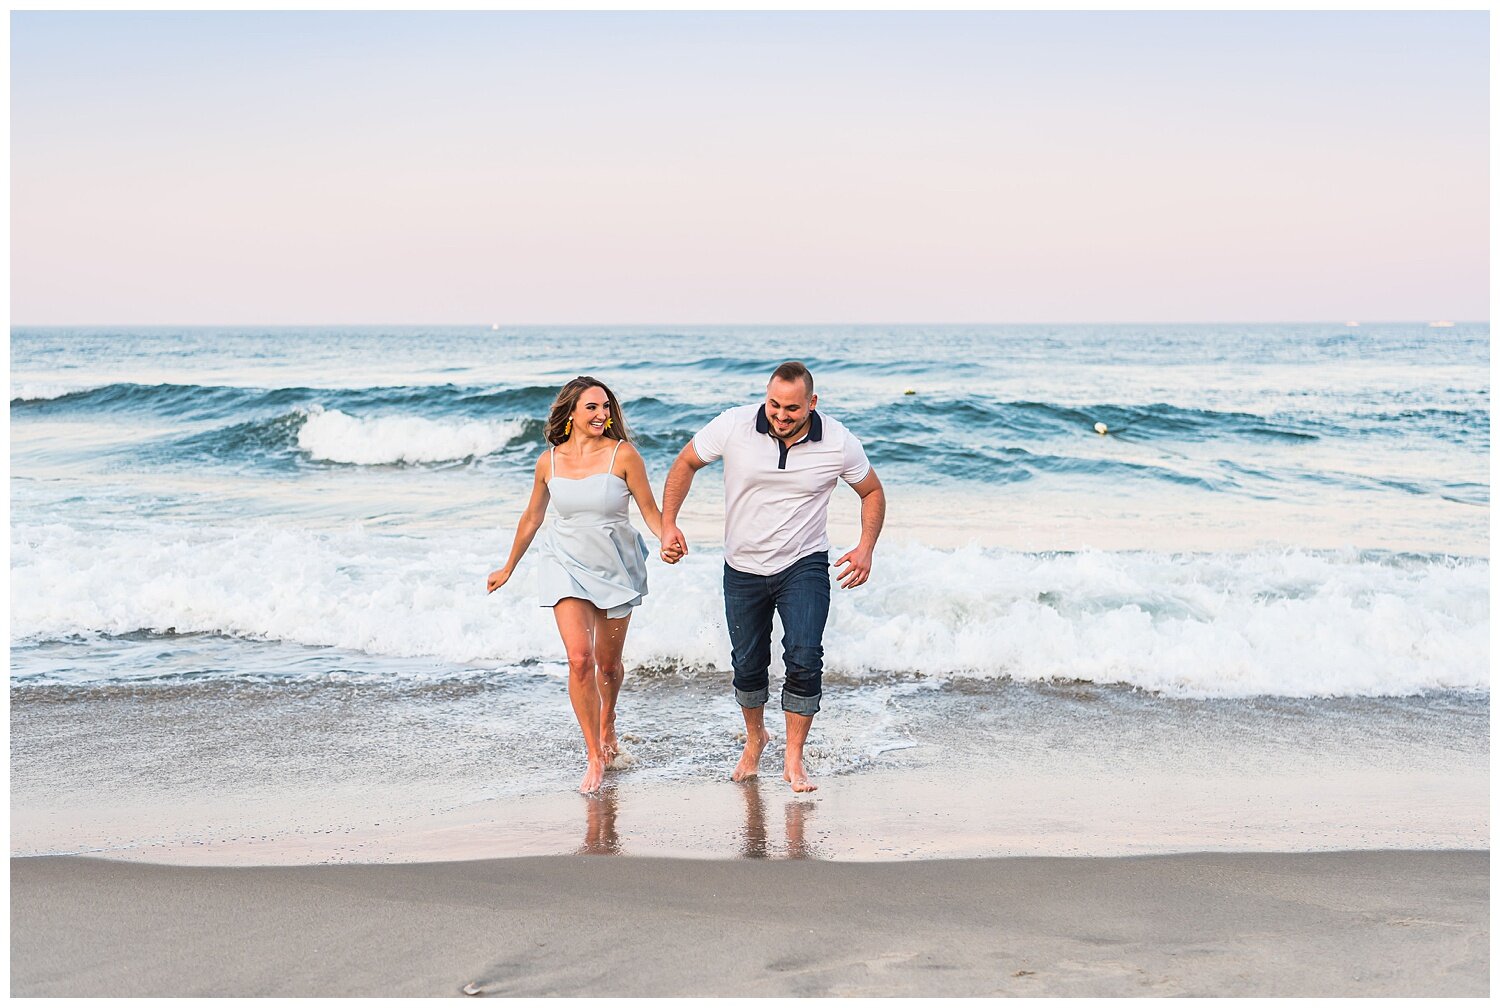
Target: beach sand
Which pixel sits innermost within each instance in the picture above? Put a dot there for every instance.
(1344, 923)
(1057, 841)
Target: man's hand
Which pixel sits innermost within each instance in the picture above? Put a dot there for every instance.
(859, 559)
(497, 579)
(673, 543)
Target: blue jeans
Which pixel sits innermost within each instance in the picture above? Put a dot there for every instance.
(800, 594)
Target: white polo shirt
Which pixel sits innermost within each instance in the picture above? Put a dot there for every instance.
(776, 497)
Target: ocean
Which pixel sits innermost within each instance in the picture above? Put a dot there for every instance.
(1275, 557)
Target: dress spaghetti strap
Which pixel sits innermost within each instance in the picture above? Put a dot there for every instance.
(612, 456)
(552, 454)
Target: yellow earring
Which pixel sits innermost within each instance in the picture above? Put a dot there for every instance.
(609, 423)
(569, 428)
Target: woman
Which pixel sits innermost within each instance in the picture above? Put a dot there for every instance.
(593, 562)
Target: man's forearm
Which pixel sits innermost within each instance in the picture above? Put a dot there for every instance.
(675, 491)
(871, 517)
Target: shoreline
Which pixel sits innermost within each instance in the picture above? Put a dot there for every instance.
(1394, 922)
(888, 815)
(209, 775)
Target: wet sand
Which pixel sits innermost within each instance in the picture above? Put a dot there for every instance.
(1345, 923)
(330, 774)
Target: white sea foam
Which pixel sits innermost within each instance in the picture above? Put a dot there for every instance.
(1288, 623)
(335, 436)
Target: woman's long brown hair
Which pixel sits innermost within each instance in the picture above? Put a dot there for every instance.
(567, 401)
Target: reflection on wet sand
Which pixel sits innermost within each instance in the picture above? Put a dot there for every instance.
(600, 835)
(797, 846)
(754, 842)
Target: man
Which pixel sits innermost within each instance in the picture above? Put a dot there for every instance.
(782, 459)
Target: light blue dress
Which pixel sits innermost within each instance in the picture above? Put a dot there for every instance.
(590, 550)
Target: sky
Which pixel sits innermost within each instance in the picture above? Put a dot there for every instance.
(514, 168)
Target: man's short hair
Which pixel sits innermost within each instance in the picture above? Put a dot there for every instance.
(794, 370)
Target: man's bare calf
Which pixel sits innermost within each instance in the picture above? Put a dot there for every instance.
(756, 738)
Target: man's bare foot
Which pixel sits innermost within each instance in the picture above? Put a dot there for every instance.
(797, 777)
(593, 777)
(611, 747)
(749, 764)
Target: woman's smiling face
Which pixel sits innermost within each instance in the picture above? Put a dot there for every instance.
(591, 413)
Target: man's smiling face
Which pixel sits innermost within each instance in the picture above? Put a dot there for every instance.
(788, 407)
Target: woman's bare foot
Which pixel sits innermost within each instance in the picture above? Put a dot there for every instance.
(619, 759)
(593, 777)
(749, 764)
(797, 777)
(607, 739)
(615, 756)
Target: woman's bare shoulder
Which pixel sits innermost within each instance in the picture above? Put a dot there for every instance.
(629, 457)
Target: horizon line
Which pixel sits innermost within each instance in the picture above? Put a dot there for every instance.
(535, 325)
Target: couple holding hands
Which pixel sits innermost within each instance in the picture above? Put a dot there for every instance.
(782, 459)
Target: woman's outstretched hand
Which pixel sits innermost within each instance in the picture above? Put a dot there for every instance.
(497, 579)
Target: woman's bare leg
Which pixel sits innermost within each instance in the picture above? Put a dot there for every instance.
(609, 653)
(575, 621)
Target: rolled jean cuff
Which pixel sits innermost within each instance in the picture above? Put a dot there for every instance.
(795, 704)
(757, 698)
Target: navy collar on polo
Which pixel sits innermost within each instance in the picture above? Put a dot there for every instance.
(814, 432)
